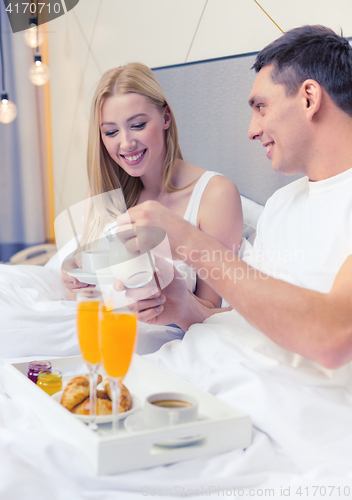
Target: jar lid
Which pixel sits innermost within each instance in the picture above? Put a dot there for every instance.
(51, 377)
(37, 366)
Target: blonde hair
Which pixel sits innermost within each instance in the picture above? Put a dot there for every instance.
(104, 174)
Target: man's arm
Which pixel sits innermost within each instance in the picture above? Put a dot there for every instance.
(315, 325)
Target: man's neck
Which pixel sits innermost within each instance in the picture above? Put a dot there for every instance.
(333, 148)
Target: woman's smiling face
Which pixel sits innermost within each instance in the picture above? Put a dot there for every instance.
(133, 132)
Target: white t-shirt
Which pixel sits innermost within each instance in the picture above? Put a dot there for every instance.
(304, 234)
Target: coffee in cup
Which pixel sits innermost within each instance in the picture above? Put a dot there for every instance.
(172, 403)
(169, 408)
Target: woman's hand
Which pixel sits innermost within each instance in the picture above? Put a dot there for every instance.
(72, 284)
(158, 307)
(175, 304)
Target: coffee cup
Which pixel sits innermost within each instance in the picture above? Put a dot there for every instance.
(133, 271)
(169, 408)
(94, 260)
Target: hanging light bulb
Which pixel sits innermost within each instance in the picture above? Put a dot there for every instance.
(39, 72)
(8, 110)
(33, 36)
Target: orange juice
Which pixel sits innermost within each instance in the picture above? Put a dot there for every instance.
(117, 341)
(88, 329)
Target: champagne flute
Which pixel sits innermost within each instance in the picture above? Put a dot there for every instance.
(117, 338)
(89, 301)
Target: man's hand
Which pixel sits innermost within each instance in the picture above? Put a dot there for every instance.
(151, 213)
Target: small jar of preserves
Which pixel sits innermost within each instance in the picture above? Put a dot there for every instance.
(50, 382)
(35, 367)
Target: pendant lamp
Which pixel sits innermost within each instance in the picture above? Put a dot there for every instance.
(8, 110)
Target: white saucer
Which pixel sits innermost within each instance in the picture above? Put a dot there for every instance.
(137, 280)
(135, 423)
(103, 419)
(92, 278)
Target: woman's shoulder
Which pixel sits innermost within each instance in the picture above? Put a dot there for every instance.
(220, 195)
(186, 173)
(220, 212)
(219, 185)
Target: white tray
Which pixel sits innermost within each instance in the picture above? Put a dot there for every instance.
(221, 427)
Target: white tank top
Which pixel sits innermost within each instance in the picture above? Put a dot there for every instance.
(190, 216)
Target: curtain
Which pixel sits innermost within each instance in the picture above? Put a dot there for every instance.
(22, 221)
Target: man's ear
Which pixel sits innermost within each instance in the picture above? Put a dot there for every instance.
(167, 118)
(312, 94)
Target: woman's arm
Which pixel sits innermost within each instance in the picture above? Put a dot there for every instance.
(220, 216)
(73, 285)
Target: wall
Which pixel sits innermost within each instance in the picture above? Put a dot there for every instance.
(100, 34)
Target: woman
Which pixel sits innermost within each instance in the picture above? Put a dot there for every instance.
(133, 145)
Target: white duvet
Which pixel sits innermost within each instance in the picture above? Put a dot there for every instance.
(302, 414)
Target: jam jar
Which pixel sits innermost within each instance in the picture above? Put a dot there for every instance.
(50, 382)
(35, 367)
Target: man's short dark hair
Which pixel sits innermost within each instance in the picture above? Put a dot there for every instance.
(314, 52)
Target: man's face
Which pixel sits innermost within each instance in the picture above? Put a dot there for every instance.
(279, 122)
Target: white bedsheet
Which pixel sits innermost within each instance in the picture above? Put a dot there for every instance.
(302, 414)
(37, 320)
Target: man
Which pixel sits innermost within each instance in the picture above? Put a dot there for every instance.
(298, 290)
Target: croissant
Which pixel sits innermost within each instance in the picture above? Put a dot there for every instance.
(104, 407)
(76, 397)
(76, 391)
(125, 399)
(102, 394)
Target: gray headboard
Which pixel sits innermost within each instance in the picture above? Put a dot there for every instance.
(210, 103)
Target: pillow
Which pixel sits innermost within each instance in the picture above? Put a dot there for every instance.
(251, 214)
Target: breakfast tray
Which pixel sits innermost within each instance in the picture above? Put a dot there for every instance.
(220, 426)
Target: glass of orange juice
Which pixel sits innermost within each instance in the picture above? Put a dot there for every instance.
(117, 338)
(89, 302)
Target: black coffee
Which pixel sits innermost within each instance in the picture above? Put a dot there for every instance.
(171, 403)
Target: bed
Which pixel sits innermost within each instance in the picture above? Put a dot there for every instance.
(301, 412)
